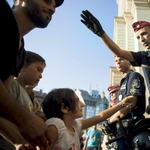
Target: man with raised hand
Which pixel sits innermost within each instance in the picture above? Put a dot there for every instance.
(142, 32)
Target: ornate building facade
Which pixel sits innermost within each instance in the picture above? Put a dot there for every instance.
(129, 11)
(94, 102)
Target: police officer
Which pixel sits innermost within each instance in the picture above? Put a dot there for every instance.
(113, 91)
(142, 32)
(132, 83)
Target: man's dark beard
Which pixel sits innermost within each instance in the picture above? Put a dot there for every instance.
(32, 10)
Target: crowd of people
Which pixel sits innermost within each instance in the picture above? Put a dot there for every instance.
(23, 126)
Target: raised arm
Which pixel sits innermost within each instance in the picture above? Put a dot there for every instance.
(106, 113)
(124, 111)
(94, 25)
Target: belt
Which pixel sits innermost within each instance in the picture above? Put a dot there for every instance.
(127, 122)
(124, 124)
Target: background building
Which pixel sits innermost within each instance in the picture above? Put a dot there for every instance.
(94, 102)
(129, 11)
(39, 95)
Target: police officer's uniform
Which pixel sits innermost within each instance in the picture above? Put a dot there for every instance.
(142, 58)
(133, 82)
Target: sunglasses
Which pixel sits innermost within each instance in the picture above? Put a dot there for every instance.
(113, 92)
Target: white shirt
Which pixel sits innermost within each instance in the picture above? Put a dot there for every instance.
(66, 140)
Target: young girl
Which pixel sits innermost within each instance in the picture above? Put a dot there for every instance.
(62, 107)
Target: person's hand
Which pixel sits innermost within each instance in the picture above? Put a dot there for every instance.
(108, 128)
(25, 147)
(92, 23)
(10, 132)
(35, 131)
(126, 102)
(41, 114)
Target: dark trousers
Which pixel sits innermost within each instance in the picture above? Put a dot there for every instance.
(92, 148)
(122, 145)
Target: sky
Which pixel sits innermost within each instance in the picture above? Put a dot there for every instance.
(75, 57)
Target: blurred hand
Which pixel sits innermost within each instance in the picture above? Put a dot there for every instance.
(10, 132)
(25, 147)
(108, 128)
(92, 23)
(41, 115)
(35, 131)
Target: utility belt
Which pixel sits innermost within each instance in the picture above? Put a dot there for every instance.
(128, 124)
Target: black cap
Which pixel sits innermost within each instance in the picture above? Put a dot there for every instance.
(59, 2)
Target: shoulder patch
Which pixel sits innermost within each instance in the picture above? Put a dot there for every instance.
(135, 83)
(133, 91)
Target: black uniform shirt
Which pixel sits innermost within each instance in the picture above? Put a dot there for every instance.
(11, 58)
(126, 87)
(142, 58)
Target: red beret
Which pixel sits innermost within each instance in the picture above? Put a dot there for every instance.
(139, 24)
(112, 87)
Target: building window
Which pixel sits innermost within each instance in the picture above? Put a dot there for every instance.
(90, 112)
(99, 108)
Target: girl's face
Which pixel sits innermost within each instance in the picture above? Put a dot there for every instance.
(33, 73)
(79, 107)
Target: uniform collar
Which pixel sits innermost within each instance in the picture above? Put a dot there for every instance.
(128, 74)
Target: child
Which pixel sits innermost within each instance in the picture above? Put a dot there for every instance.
(62, 107)
(30, 74)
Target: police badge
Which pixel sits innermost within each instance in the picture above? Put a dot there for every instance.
(136, 83)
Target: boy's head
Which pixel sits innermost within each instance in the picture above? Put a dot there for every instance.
(32, 70)
(53, 102)
(31, 57)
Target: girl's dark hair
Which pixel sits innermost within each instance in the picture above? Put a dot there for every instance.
(53, 101)
(31, 57)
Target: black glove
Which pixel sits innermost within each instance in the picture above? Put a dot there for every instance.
(92, 23)
(108, 128)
